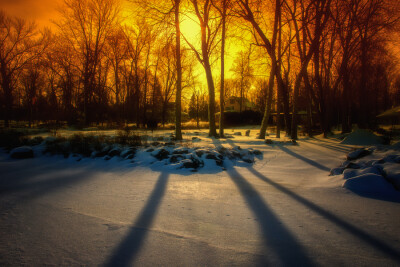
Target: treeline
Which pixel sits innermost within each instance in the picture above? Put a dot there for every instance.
(92, 67)
(328, 59)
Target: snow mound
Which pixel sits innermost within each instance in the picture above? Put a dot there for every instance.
(197, 157)
(392, 172)
(351, 173)
(396, 146)
(362, 138)
(371, 171)
(368, 184)
(23, 152)
(359, 153)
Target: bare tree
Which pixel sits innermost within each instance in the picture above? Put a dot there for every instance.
(178, 98)
(222, 8)
(209, 28)
(86, 25)
(117, 47)
(314, 17)
(168, 13)
(244, 72)
(247, 11)
(20, 43)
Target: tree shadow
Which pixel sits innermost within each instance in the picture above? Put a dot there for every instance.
(360, 234)
(328, 146)
(287, 249)
(36, 181)
(48, 182)
(231, 143)
(307, 160)
(128, 249)
(390, 196)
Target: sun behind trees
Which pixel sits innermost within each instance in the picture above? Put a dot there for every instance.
(317, 64)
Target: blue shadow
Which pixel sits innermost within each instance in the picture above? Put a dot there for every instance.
(128, 249)
(327, 145)
(307, 160)
(364, 236)
(284, 245)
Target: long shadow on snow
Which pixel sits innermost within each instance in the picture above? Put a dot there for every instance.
(276, 237)
(42, 176)
(128, 249)
(328, 146)
(364, 236)
(27, 187)
(307, 160)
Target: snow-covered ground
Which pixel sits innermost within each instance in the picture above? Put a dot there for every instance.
(281, 208)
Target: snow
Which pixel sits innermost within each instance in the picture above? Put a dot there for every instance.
(369, 183)
(22, 152)
(358, 153)
(268, 204)
(362, 138)
(373, 171)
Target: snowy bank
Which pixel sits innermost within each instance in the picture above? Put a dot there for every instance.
(155, 154)
(22, 152)
(362, 137)
(372, 171)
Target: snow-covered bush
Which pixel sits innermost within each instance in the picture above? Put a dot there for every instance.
(22, 152)
(194, 158)
(56, 146)
(371, 170)
(362, 137)
(82, 144)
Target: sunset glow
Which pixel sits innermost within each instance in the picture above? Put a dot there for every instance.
(114, 55)
(199, 133)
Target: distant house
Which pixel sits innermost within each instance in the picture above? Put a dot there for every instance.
(233, 104)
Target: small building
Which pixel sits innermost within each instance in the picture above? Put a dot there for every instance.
(233, 104)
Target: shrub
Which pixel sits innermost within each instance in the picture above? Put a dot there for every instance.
(57, 146)
(37, 140)
(81, 144)
(126, 137)
(10, 138)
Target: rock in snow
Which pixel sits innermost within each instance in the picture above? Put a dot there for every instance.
(23, 152)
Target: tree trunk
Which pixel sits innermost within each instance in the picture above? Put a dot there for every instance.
(267, 110)
(279, 82)
(210, 82)
(309, 104)
(178, 108)
(278, 112)
(273, 72)
(296, 92)
(6, 84)
(222, 88)
(211, 98)
(363, 87)
(164, 113)
(346, 126)
(285, 100)
(197, 112)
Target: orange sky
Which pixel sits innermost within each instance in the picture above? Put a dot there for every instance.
(43, 11)
(39, 10)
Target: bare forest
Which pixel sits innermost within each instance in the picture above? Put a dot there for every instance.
(304, 65)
